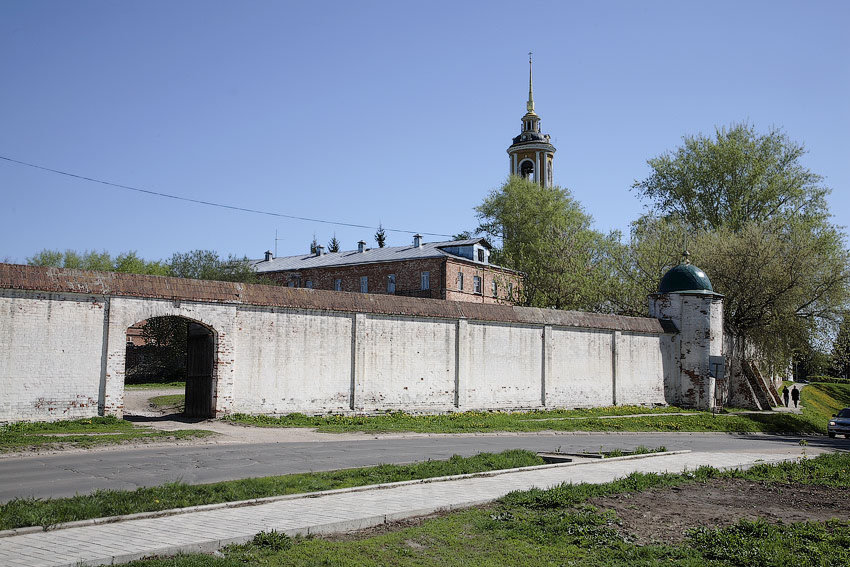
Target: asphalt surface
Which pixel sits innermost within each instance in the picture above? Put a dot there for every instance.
(57, 475)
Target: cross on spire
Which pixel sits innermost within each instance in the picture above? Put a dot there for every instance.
(530, 104)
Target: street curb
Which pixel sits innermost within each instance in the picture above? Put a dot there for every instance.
(305, 495)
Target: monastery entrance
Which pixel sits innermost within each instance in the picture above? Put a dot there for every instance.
(162, 351)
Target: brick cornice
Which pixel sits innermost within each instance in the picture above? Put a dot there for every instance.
(61, 280)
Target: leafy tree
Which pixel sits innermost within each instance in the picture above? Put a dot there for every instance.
(381, 236)
(197, 264)
(166, 339)
(333, 244)
(545, 234)
(840, 357)
(809, 360)
(207, 265)
(463, 235)
(655, 245)
(314, 245)
(128, 262)
(52, 258)
(736, 178)
(758, 224)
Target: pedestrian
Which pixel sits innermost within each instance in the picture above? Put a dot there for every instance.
(795, 395)
(785, 395)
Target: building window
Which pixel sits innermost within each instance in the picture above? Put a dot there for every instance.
(476, 284)
(337, 285)
(495, 288)
(308, 284)
(460, 280)
(481, 255)
(364, 284)
(391, 283)
(425, 278)
(511, 291)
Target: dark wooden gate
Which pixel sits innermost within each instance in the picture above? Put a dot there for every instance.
(199, 372)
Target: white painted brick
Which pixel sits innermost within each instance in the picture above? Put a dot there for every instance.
(54, 363)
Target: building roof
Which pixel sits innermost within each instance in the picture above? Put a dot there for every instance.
(685, 278)
(371, 255)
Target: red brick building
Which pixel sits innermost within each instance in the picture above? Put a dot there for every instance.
(458, 270)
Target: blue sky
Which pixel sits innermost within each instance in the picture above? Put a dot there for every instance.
(392, 112)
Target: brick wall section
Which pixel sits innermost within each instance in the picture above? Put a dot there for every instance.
(407, 273)
(488, 274)
(60, 280)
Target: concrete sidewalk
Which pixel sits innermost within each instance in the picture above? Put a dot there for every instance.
(332, 512)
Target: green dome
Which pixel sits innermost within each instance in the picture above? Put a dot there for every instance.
(685, 278)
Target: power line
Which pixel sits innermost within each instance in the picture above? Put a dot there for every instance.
(212, 204)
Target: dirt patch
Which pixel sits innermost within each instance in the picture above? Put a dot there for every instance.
(137, 402)
(665, 514)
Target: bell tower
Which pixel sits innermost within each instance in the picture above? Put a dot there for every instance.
(531, 154)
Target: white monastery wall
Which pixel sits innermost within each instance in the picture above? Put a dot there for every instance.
(405, 363)
(505, 368)
(62, 355)
(581, 373)
(634, 365)
(50, 355)
(292, 361)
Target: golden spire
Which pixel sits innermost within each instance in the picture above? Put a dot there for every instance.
(530, 104)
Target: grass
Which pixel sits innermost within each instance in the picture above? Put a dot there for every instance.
(823, 400)
(154, 385)
(558, 527)
(83, 433)
(169, 401)
(37, 512)
(639, 450)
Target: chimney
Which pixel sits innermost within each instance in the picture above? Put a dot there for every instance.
(320, 250)
(417, 241)
(269, 256)
(361, 246)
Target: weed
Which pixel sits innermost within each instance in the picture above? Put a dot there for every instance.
(273, 540)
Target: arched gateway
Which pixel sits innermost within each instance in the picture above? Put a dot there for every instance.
(174, 348)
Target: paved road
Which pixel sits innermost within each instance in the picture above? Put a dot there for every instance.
(129, 468)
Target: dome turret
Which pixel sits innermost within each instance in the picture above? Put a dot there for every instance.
(685, 278)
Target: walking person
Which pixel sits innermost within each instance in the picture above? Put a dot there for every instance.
(785, 395)
(795, 395)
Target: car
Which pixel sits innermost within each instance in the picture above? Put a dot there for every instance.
(839, 424)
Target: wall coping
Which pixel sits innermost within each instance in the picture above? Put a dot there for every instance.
(113, 284)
